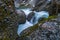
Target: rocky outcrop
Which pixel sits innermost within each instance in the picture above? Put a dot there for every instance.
(22, 16)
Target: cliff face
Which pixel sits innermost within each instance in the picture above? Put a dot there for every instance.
(8, 20)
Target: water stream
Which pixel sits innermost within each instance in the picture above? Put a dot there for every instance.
(30, 23)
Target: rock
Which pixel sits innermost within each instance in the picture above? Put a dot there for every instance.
(22, 16)
(30, 16)
(51, 26)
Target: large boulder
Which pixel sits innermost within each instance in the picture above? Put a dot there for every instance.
(22, 16)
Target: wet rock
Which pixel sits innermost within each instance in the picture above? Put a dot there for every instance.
(30, 16)
(22, 16)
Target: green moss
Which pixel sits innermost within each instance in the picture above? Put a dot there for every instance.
(52, 17)
(47, 19)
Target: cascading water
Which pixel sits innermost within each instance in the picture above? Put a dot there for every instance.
(30, 23)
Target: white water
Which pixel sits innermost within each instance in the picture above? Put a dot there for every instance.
(30, 23)
(23, 27)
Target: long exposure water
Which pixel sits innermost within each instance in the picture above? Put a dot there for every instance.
(30, 23)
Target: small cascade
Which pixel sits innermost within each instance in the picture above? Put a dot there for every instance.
(34, 19)
(30, 23)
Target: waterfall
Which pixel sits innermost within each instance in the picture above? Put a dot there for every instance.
(28, 24)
